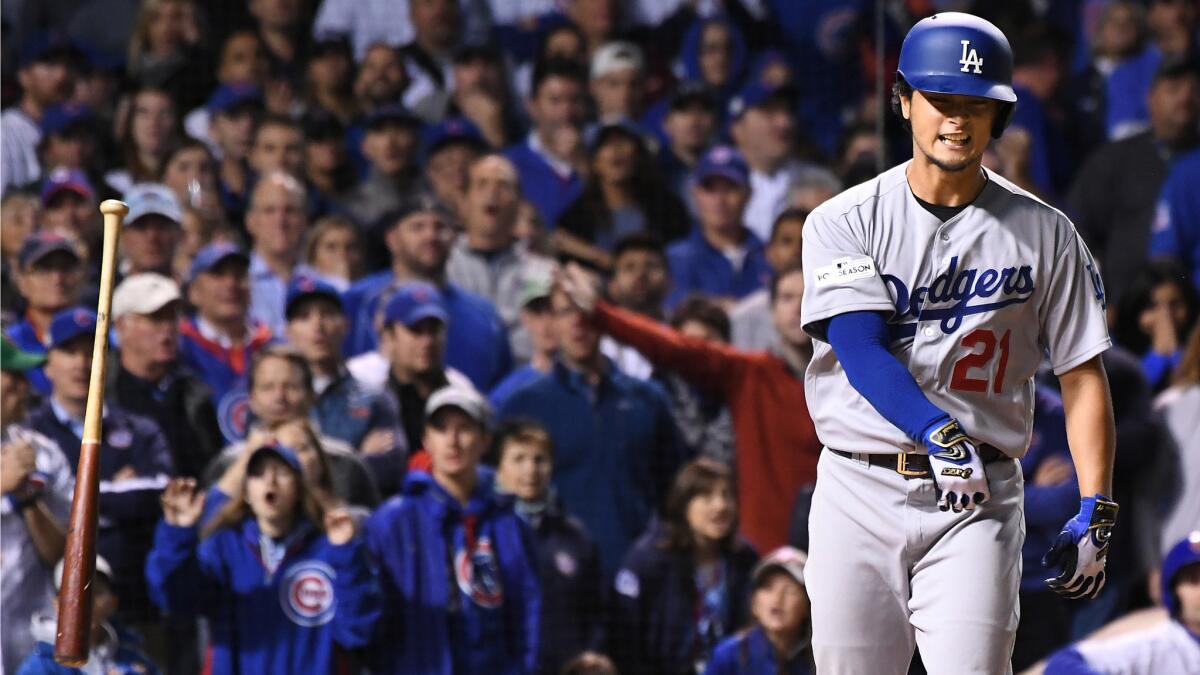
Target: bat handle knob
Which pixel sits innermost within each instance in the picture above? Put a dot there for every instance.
(114, 207)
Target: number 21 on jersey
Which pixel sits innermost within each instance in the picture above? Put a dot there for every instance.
(967, 370)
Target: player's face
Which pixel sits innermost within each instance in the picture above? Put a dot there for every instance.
(272, 489)
(1187, 587)
(785, 310)
(950, 132)
(454, 441)
(317, 328)
(712, 515)
(525, 470)
(780, 605)
(279, 391)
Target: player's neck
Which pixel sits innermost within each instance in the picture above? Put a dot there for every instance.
(935, 185)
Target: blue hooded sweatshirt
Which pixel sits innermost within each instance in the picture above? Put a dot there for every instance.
(320, 600)
(460, 583)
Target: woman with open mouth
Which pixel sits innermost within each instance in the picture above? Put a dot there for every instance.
(285, 584)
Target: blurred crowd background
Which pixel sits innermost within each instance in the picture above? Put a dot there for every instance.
(355, 420)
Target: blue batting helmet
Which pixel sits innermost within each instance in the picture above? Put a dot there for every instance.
(1186, 552)
(956, 53)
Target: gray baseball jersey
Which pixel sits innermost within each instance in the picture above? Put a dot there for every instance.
(973, 304)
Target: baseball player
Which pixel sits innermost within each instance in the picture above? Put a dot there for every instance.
(933, 292)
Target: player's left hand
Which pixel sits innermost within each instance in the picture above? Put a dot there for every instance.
(957, 470)
(1081, 548)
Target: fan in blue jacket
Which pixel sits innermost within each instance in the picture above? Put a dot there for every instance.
(684, 585)
(456, 563)
(287, 587)
(780, 641)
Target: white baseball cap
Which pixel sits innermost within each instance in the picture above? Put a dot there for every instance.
(615, 56)
(465, 399)
(784, 559)
(102, 567)
(144, 293)
(152, 198)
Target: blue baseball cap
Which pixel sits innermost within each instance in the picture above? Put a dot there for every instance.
(230, 96)
(70, 324)
(304, 286)
(279, 450)
(757, 93)
(146, 199)
(1184, 553)
(414, 302)
(59, 119)
(62, 179)
(44, 46)
(453, 130)
(595, 135)
(391, 113)
(723, 161)
(41, 244)
(212, 255)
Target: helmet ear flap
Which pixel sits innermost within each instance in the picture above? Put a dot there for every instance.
(1003, 118)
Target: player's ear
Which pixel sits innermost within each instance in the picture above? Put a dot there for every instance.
(906, 106)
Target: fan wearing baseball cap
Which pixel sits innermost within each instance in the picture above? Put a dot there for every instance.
(778, 642)
(36, 484)
(344, 408)
(70, 207)
(152, 230)
(413, 341)
(722, 257)
(46, 71)
(283, 579)
(150, 379)
(50, 275)
(219, 340)
(114, 648)
(136, 458)
(450, 522)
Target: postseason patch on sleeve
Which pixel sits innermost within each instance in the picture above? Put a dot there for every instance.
(845, 270)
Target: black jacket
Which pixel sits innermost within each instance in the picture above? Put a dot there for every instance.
(573, 588)
(183, 409)
(653, 610)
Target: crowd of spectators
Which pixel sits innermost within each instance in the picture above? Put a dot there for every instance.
(463, 336)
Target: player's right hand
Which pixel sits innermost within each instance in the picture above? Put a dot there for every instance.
(957, 470)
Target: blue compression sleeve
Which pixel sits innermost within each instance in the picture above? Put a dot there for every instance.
(860, 341)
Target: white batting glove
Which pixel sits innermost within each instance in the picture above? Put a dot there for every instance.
(1081, 549)
(957, 470)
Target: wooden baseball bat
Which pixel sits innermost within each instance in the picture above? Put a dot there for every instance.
(73, 640)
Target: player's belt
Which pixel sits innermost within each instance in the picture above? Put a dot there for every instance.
(913, 464)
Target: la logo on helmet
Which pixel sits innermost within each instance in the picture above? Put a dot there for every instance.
(970, 59)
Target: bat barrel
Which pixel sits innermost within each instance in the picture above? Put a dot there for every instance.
(73, 638)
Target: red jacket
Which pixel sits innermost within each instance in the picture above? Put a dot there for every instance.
(775, 441)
